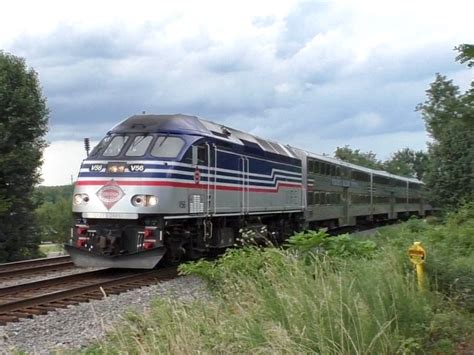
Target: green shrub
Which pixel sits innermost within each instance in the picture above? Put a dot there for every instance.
(319, 242)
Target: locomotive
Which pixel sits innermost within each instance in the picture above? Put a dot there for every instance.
(179, 187)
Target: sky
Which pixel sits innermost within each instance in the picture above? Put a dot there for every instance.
(313, 74)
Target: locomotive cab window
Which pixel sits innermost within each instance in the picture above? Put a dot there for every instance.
(201, 155)
(100, 147)
(115, 146)
(139, 146)
(167, 147)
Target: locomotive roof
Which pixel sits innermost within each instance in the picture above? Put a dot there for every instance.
(179, 123)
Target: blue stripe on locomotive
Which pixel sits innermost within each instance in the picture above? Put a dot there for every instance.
(263, 163)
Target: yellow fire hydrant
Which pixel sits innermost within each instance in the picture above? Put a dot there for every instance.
(417, 256)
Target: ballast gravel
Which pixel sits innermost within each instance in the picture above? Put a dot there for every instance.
(77, 326)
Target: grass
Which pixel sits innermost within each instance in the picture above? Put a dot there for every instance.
(50, 248)
(320, 295)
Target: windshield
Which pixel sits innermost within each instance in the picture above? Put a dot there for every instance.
(115, 146)
(167, 147)
(100, 147)
(139, 146)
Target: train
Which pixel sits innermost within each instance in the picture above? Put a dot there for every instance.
(177, 187)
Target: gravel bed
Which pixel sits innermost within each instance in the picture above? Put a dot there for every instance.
(78, 326)
(45, 276)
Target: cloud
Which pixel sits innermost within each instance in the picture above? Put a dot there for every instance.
(62, 160)
(310, 73)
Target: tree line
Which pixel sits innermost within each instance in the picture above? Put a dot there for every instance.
(29, 213)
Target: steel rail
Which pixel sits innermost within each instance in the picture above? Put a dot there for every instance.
(13, 310)
(32, 269)
(31, 262)
(61, 280)
(34, 266)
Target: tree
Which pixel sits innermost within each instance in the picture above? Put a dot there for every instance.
(449, 117)
(54, 214)
(23, 124)
(355, 156)
(407, 162)
(369, 159)
(466, 54)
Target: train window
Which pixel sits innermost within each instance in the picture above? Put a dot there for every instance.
(310, 198)
(188, 156)
(381, 199)
(139, 146)
(316, 167)
(167, 147)
(380, 180)
(100, 147)
(345, 172)
(322, 198)
(202, 155)
(360, 176)
(401, 183)
(338, 171)
(327, 169)
(330, 198)
(333, 170)
(115, 146)
(310, 166)
(317, 200)
(226, 146)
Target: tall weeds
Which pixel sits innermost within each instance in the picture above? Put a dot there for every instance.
(288, 306)
(320, 295)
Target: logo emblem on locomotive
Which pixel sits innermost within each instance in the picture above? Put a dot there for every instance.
(110, 194)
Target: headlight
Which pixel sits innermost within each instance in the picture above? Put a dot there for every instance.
(144, 200)
(152, 200)
(116, 168)
(80, 199)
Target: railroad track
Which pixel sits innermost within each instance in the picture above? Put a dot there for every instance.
(41, 297)
(35, 266)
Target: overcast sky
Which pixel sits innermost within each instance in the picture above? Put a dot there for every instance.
(314, 74)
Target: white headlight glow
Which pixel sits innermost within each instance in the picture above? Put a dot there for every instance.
(144, 200)
(152, 200)
(80, 199)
